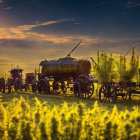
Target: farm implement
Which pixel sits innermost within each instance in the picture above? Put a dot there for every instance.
(15, 81)
(117, 79)
(110, 91)
(66, 70)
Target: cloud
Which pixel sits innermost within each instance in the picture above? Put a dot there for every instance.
(77, 23)
(29, 27)
(8, 8)
(131, 4)
(24, 32)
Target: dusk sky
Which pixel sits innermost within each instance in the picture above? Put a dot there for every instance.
(33, 30)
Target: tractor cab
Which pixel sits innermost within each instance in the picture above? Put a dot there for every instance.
(16, 73)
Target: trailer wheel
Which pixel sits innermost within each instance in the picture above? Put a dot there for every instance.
(55, 85)
(2, 85)
(103, 93)
(86, 86)
(43, 86)
(77, 89)
(130, 95)
(63, 87)
(107, 92)
(123, 91)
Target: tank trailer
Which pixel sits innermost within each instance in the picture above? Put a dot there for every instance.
(66, 70)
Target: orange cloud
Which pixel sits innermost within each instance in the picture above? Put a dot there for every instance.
(29, 27)
(23, 33)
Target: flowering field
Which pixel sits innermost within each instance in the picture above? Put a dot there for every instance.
(21, 118)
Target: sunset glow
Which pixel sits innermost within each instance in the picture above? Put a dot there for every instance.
(31, 31)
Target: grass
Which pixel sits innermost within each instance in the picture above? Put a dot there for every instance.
(58, 99)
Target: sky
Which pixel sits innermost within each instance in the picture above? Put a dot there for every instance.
(34, 30)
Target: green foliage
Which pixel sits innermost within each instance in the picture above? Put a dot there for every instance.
(110, 69)
(105, 69)
(127, 73)
(18, 120)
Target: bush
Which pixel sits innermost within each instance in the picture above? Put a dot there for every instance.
(128, 71)
(105, 69)
(20, 121)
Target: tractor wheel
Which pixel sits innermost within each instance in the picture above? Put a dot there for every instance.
(26, 84)
(43, 86)
(9, 84)
(2, 85)
(18, 84)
